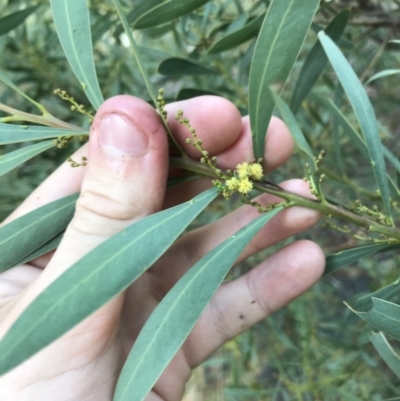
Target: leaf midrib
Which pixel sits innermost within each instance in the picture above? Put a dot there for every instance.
(17, 155)
(172, 308)
(94, 272)
(387, 317)
(37, 221)
(77, 59)
(174, 7)
(5, 127)
(184, 291)
(277, 36)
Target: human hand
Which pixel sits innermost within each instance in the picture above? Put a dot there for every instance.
(123, 182)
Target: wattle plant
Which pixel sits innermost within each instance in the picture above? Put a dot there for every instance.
(280, 29)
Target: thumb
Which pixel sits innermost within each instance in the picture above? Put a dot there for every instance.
(124, 181)
(127, 169)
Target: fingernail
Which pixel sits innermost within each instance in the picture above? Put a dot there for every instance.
(119, 136)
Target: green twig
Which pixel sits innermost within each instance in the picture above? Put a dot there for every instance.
(206, 171)
(149, 85)
(48, 119)
(297, 200)
(366, 74)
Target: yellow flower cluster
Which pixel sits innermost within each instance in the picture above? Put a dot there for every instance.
(242, 185)
(232, 184)
(245, 186)
(250, 170)
(256, 171)
(242, 170)
(241, 181)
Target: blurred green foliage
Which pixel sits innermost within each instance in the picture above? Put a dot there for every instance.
(314, 349)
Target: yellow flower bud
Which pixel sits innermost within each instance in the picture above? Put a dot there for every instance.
(232, 184)
(256, 171)
(244, 186)
(242, 170)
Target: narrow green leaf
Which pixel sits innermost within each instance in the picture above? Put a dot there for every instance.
(245, 62)
(138, 11)
(394, 189)
(298, 136)
(173, 319)
(143, 72)
(359, 142)
(72, 21)
(383, 74)
(160, 31)
(46, 248)
(364, 112)
(180, 66)
(11, 21)
(384, 316)
(238, 23)
(206, 19)
(316, 61)
(238, 37)
(25, 235)
(389, 293)
(386, 352)
(221, 27)
(10, 133)
(105, 271)
(293, 126)
(344, 258)
(13, 159)
(348, 128)
(343, 42)
(282, 34)
(136, 53)
(167, 11)
(346, 44)
(338, 100)
(8, 82)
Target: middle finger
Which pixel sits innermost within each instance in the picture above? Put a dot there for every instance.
(197, 243)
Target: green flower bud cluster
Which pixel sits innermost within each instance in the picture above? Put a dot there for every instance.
(62, 141)
(76, 164)
(80, 108)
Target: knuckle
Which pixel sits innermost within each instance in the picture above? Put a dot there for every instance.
(103, 205)
(96, 210)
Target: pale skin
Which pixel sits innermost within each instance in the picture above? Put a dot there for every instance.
(123, 182)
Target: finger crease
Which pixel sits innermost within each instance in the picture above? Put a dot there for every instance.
(254, 294)
(219, 321)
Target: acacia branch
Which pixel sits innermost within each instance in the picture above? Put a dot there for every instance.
(297, 200)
